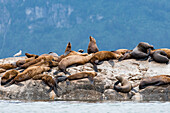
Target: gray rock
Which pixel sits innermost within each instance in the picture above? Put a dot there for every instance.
(80, 90)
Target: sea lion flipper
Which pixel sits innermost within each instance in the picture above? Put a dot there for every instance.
(101, 62)
(150, 59)
(95, 67)
(134, 90)
(55, 91)
(57, 86)
(66, 72)
(49, 90)
(111, 62)
(91, 80)
(56, 83)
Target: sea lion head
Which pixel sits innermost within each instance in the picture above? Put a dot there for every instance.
(142, 84)
(68, 49)
(119, 78)
(92, 39)
(81, 50)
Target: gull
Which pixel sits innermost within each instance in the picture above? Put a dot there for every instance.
(18, 54)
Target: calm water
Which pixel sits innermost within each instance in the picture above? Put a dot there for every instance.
(83, 107)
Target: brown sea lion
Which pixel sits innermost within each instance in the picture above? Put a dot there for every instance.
(2, 70)
(29, 73)
(46, 63)
(73, 60)
(92, 47)
(81, 75)
(48, 80)
(167, 51)
(68, 49)
(31, 55)
(159, 56)
(122, 51)
(155, 81)
(8, 66)
(101, 56)
(8, 76)
(69, 54)
(21, 62)
(40, 58)
(140, 52)
(125, 87)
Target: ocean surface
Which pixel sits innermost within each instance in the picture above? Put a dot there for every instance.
(83, 107)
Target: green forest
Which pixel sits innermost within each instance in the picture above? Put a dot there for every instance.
(42, 26)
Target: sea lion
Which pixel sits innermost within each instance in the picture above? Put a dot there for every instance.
(2, 70)
(31, 55)
(40, 58)
(159, 56)
(81, 75)
(101, 56)
(8, 76)
(21, 62)
(92, 47)
(125, 87)
(155, 81)
(48, 80)
(46, 63)
(140, 52)
(69, 54)
(8, 66)
(122, 51)
(68, 49)
(80, 50)
(29, 73)
(73, 60)
(167, 51)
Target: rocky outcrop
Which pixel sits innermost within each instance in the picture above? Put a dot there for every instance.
(82, 89)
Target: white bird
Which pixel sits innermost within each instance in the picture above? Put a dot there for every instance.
(18, 54)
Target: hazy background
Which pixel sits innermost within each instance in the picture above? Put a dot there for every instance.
(41, 26)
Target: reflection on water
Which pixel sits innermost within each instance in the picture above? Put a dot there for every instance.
(83, 107)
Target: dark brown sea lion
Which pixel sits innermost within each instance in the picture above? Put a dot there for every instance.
(48, 80)
(159, 56)
(92, 47)
(125, 87)
(29, 73)
(8, 76)
(80, 50)
(167, 51)
(73, 60)
(155, 81)
(101, 56)
(81, 75)
(140, 52)
(8, 66)
(31, 55)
